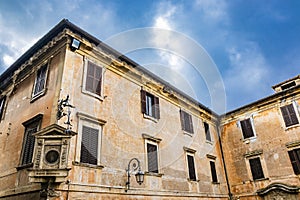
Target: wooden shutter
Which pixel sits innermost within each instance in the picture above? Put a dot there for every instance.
(256, 169)
(191, 165)
(182, 120)
(152, 158)
(289, 115)
(29, 145)
(156, 108)
(40, 79)
(190, 121)
(89, 145)
(93, 78)
(2, 103)
(143, 101)
(213, 172)
(207, 132)
(294, 157)
(247, 128)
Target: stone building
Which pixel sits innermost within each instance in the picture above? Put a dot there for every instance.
(79, 120)
(261, 145)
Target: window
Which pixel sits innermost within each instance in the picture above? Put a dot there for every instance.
(256, 168)
(40, 81)
(247, 129)
(150, 105)
(191, 167)
(89, 140)
(2, 104)
(207, 131)
(289, 115)
(93, 78)
(152, 157)
(186, 121)
(295, 160)
(31, 127)
(213, 172)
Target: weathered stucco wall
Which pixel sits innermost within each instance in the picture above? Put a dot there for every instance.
(271, 141)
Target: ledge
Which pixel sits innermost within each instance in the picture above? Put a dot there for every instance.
(87, 165)
(149, 137)
(253, 153)
(153, 174)
(25, 166)
(293, 144)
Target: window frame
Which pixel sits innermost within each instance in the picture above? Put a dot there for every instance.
(296, 154)
(296, 113)
(90, 122)
(213, 171)
(186, 120)
(262, 167)
(190, 153)
(252, 128)
(84, 79)
(35, 122)
(42, 92)
(145, 107)
(207, 132)
(2, 107)
(150, 142)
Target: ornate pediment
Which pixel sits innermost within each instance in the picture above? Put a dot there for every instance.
(54, 130)
(283, 188)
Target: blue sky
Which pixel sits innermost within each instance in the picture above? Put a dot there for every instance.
(253, 44)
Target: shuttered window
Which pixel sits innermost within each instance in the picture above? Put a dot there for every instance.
(40, 81)
(207, 131)
(31, 127)
(152, 158)
(89, 145)
(191, 167)
(186, 121)
(247, 128)
(213, 172)
(256, 168)
(2, 103)
(289, 115)
(295, 160)
(150, 105)
(93, 78)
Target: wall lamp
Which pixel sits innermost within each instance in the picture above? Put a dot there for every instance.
(75, 44)
(139, 176)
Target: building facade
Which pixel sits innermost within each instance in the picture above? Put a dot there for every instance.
(261, 145)
(79, 120)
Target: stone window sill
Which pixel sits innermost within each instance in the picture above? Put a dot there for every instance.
(87, 165)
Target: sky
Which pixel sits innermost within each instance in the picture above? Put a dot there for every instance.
(251, 45)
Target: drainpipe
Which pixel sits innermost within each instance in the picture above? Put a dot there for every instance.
(223, 159)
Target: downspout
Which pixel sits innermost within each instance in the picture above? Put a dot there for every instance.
(223, 159)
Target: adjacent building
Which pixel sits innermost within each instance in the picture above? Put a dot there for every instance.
(79, 120)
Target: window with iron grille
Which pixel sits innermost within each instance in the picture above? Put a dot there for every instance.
(93, 80)
(152, 158)
(89, 145)
(186, 122)
(289, 115)
(2, 106)
(191, 167)
(295, 160)
(256, 168)
(150, 105)
(213, 171)
(40, 81)
(247, 128)
(31, 127)
(207, 131)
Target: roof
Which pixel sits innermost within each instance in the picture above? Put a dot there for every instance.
(6, 76)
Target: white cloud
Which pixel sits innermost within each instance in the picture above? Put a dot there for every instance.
(8, 60)
(248, 72)
(213, 9)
